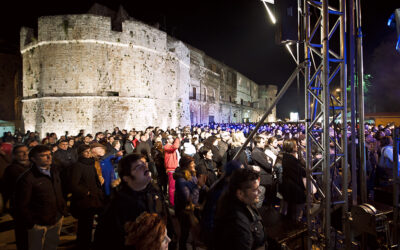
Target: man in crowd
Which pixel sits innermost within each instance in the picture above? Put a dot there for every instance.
(238, 223)
(13, 172)
(65, 157)
(39, 201)
(137, 195)
(261, 160)
(171, 163)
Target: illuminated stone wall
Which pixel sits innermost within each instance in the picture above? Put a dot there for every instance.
(80, 74)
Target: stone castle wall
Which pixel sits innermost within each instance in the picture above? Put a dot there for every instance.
(80, 74)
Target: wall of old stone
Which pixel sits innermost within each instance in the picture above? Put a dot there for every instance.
(132, 78)
(80, 74)
(237, 98)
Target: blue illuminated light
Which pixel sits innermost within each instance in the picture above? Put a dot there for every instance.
(391, 18)
(398, 44)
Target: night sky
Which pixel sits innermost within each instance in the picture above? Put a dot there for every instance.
(237, 33)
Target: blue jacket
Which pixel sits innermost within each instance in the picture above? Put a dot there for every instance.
(186, 191)
(108, 172)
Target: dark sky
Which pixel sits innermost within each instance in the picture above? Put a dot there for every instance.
(236, 32)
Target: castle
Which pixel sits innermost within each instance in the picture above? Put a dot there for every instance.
(95, 72)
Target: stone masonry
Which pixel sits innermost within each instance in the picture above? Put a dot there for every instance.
(79, 73)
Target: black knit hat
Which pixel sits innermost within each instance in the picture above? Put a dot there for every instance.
(82, 148)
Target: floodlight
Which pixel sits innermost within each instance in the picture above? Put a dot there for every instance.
(270, 14)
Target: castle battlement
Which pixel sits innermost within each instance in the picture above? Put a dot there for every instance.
(89, 28)
(95, 72)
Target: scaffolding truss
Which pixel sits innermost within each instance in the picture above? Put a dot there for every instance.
(324, 33)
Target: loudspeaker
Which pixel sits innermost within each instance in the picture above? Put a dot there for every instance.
(286, 21)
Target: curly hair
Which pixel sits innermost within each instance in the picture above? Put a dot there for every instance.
(146, 232)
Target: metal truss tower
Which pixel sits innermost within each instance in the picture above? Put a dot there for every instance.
(324, 34)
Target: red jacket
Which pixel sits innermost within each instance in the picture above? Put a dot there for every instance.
(170, 156)
(7, 148)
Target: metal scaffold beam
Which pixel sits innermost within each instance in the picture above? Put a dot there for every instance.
(326, 118)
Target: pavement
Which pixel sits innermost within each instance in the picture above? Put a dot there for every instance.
(7, 237)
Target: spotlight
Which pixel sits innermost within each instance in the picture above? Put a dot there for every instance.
(270, 14)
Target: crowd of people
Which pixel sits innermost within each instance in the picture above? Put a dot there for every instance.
(160, 189)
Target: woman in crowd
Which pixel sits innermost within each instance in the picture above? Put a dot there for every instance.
(186, 196)
(71, 143)
(238, 140)
(147, 232)
(292, 188)
(207, 165)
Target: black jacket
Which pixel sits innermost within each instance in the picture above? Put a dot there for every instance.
(242, 157)
(237, 226)
(39, 198)
(207, 166)
(126, 206)
(85, 187)
(292, 188)
(65, 158)
(10, 177)
(262, 160)
(144, 148)
(223, 151)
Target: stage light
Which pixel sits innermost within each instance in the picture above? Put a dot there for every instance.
(397, 16)
(391, 21)
(394, 21)
(290, 51)
(270, 14)
(294, 116)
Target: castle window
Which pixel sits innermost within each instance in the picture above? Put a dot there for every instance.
(112, 93)
(229, 77)
(193, 96)
(214, 67)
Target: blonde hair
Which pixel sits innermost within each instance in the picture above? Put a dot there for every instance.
(238, 139)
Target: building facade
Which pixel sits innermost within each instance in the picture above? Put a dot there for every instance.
(81, 72)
